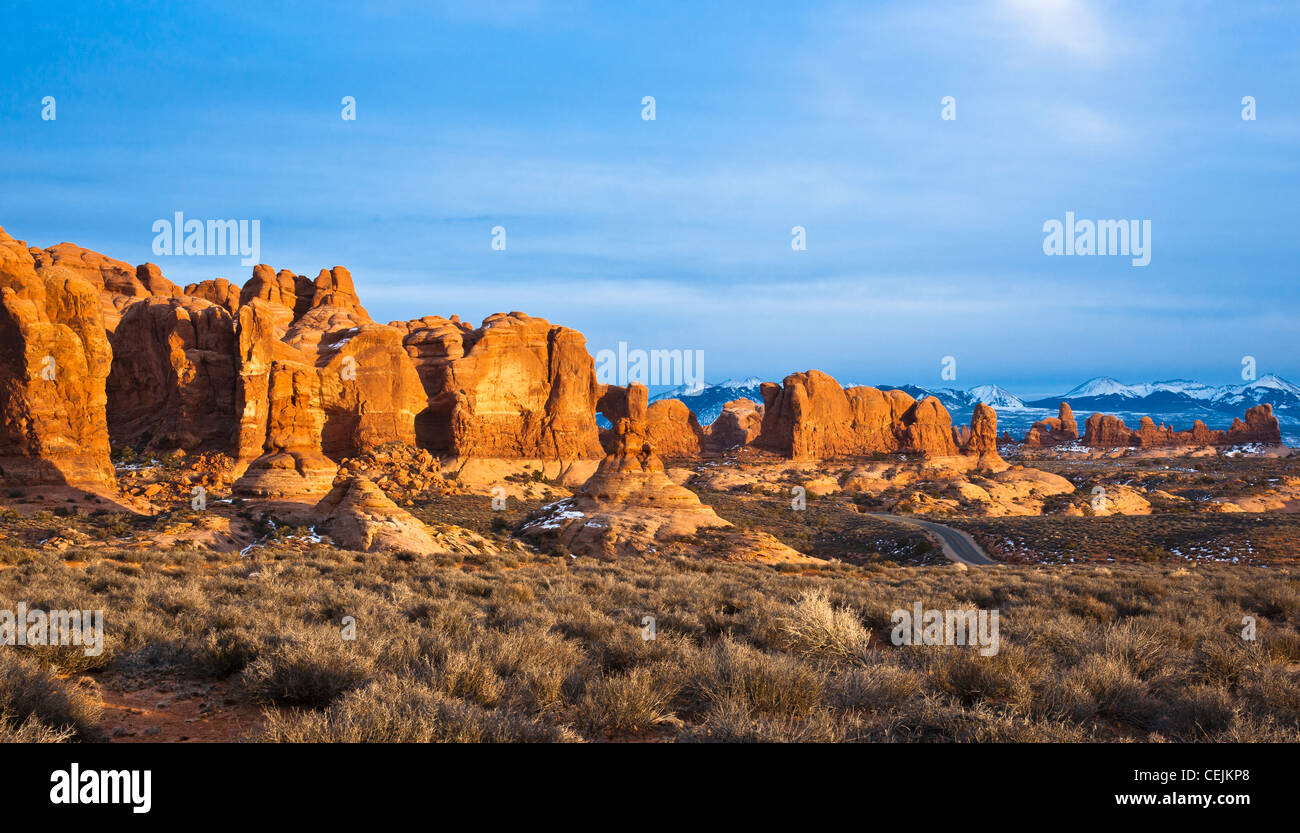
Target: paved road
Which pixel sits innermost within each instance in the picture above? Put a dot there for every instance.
(957, 545)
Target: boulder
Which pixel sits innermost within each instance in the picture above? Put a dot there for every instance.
(737, 426)
(357, 515)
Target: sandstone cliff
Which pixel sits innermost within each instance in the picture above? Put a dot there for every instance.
(809, 416)
(54, 359)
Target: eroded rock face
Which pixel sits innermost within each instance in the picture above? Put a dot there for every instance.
(737, 426)
(982, 438)
(218, 291)
(516, 387)
(1260, 426)
(810, 416)
(357, 515)
(1058, 430)
(172, 383)
(54, 359)
(671, 427)
(116, 282)
(1108, 431)
(315, 386)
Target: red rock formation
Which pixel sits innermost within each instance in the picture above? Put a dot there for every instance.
(673, 429)
(670, 425)
(517, 387)
(315, 386)
(357, 515)
(811, 417)
(219, 291)
(115, 280)
(1057, 430)
(629, 506)
(983, 434)
(737, 426)
(172, 383)
(1261, 426)
(54, 358)
(1107, 431)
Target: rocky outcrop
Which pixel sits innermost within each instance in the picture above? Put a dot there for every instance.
(116, 282)
(357, 515)
(1109, 431)
(517, 387)
(54, 359)
(629, 506)
(737, 426)
(983, 433)
(218, 291)
(1106, 431)
(315, 386)
(1057, 430)
(673, 430)
(671, 427)
(1260, 426)
(172, 383)
(809, 416)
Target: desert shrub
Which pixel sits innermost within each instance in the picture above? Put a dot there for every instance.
(772, 684)
(34, 698)
(630, 701)
(817, 628)
(390, 710)
(306, 671)
(877, 686)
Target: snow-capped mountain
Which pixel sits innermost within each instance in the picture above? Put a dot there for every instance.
(1272, 388)
(1177, 395)
(995, 397)
(955, 399)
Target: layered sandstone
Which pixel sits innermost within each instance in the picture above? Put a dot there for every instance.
(809, 416)
(54, 359)
(517, 387)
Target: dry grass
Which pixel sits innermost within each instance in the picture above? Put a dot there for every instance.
(551, 649)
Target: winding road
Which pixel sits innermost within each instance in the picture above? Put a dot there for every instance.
(957, 545)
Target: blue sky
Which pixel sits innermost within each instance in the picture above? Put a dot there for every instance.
(924, 236)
